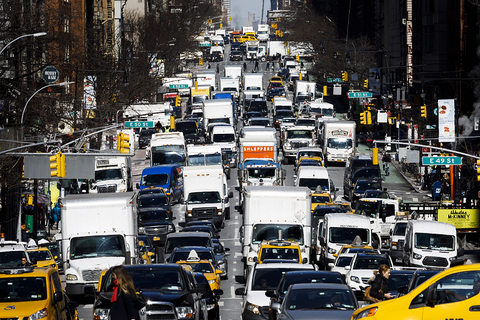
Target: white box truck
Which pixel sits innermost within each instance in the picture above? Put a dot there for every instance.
(268, 210)
(217, 111)
(337, 230)
(207, 77)
(253, 81)
(276, 49)
(233, 71)
(167, 148)
(112, 174)
(305, 91)
(297, 137)
(205, 191)
(255, 51)
(98, 232)
(430, 244)
(338, 141)
(262, 32)
(231, 85)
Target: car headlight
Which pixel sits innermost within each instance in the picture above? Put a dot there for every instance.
(212, 281)
(170, 228)
(451, 258)
(366, 313)
(72, 277)
(101, 314)
(287, 146)
(252, 308)
(355, 279)
(184, 312)
(417, 256)
(141, 230)
(210, 307)
(332, 251)
(39, 314)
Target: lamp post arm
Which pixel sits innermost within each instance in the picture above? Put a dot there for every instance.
(25, 35)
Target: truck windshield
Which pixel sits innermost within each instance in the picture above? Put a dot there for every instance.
(204, 159)
(155, 179)
(433, 241)
(299, 134)
(339, 143)
(261, 173)
(198, 99)
(204, 197)
(109, 174)
(313, 184)
(9, 259)
(263, 232)
(280, 253)
(168, 157)
(22, 289)
(326, 112)
(97, 246)
(223, 137)
(399, 229)
(347, 235)
(230, 89)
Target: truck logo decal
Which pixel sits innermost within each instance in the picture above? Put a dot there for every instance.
(341, 133)
(258, 148)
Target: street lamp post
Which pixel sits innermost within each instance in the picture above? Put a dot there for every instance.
(38, 34)
(50, 85)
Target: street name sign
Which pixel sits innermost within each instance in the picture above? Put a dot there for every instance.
(50, 74)
(334, 80)
(178, 86)
(138, 124)
(433, 161)
(359, 94)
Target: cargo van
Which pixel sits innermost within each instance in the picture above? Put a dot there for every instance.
(315, 178)
(166, 176)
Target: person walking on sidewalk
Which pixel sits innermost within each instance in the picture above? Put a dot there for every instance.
(386, 163)
(256, 65)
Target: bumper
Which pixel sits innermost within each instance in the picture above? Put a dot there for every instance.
(248, 315)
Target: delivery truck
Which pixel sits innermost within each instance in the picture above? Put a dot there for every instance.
(338, 141)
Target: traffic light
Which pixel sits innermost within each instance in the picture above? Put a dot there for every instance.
(297, 57)
(423, 111)
(57, 163)
(369, 117)
(363, 117)
(200, 61)
(365, 83)
(478, 170)
(123, 142)
(178, 101)
(345, 76)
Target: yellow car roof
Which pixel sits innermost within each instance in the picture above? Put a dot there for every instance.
(279, 244)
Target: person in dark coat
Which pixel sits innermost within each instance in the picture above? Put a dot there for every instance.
(379, 286)
(122, 304)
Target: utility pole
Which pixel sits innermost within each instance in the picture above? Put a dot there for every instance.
(263, 6)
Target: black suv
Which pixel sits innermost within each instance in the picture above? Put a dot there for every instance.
(171, 291)
(358, 167)
(189, 129)
(155, 223)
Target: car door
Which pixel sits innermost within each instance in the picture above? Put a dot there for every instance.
(59, 307)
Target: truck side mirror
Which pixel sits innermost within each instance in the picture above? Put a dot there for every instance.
(322, 242)
(460, 252)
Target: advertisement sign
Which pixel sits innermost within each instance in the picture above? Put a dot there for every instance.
(446, 120)
(258, 152)
(460, 218)
(89, 92)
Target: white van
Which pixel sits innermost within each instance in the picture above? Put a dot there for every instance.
(430, 244)
(337, 230)
(314, 178)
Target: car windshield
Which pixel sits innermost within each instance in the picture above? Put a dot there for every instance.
(313, 184)
(15, 289)
(347, 235)
(262, 122)
(263, 232)
(204, 197)
(396, 281)
(176, 242)
(320, 299)
(432, 241)
(154, 279)
(283, 114)
(299, 134)
(261, 173)
(154, 179)
(109, 174)
(399, 229)
(366, 185)
(371, 173)
(339, 143)
(371, 263)
(157, 215)
(268, 279)
(333, 278)
(310, 154)
(9, 259)
(280, 253)
(145, 202)
(342, 262)
(40, 255)
(97, 246)
(204, 159)
(321, 199)
(183, 255)
(223, 137)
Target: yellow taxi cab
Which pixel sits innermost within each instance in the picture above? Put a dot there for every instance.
(43, 256)
(204, 266)
(33, 293)
(354, 248)
(244, 39)
(320, 198)
(251, 34)
(146, 254)
(347, 207)
(276, 79)
(279, 250)
(451, 294)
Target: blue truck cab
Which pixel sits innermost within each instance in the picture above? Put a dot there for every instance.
(166, 176)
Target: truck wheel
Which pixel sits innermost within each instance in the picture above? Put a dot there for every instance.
(263, 59)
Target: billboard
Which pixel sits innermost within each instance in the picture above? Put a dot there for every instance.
(446, 120)
(460, 218)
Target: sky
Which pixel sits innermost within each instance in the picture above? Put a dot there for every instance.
(241, 8)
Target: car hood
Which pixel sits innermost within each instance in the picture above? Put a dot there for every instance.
(175, 297)
(320, 314)
(155, 223)
(258, 298)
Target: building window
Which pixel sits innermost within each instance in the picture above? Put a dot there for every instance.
(66, 25)
(67, 87)
(67, 54)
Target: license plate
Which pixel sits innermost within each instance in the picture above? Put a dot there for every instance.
(96, 286)
(156, 239)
